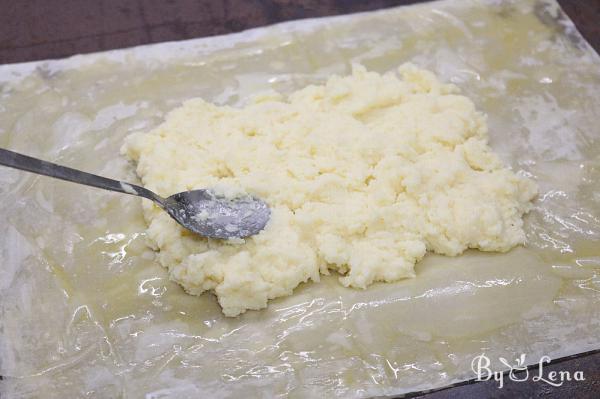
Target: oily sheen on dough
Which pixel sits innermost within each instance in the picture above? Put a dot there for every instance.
(363, 174)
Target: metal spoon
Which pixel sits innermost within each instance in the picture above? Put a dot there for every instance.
(200, 211)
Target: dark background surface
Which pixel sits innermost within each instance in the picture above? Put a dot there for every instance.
(41, 29)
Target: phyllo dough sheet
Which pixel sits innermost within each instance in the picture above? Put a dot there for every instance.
(86, 309)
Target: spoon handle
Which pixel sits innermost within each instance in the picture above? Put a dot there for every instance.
(34, 165)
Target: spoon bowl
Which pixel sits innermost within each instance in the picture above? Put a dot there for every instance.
(211, 215)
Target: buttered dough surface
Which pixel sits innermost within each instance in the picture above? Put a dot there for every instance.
(363, 174)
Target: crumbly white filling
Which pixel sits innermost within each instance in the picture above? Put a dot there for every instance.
(363, 174)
